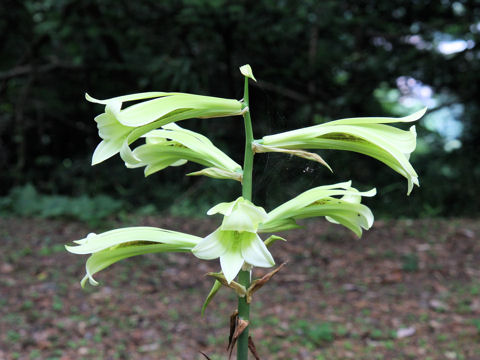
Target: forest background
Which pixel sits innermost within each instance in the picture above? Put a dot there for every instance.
(315, 61)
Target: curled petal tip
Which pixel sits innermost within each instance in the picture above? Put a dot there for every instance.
(90, 279)
(93, 100)
(370, 193)
(422, 111)
(415, 116)
(411, 182)
(96, 160)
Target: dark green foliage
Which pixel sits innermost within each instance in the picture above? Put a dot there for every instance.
(26, 201)
(316, 61)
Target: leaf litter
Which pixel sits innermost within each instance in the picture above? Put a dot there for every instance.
(407, 289)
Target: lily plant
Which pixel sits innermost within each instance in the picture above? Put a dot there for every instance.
(237, 242)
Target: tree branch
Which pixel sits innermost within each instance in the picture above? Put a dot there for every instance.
(28, 69)
(283, 91)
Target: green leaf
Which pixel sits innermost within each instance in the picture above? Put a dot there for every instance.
(216, 286)
(272, 239)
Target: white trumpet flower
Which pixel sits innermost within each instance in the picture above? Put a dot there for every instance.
(115, 245)
(369, 135)
(320, 201)
(236, 241)
(120, 127)
(173, 146)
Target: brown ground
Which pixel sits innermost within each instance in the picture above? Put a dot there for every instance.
(407, 290)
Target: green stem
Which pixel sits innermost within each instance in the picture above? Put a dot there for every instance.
(248, 160)
(244, 314)
(244, 277)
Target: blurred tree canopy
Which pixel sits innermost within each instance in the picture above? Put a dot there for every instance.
(315, 61)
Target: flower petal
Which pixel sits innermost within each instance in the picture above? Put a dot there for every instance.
(255, 252)
(381, 120)
(151, 110)
(239, 220)
(246, 71)
(174, 146)
(231, 262)
(98, 242)
(101, 260)
(368, 136)
(105, 150)
(213, 245)
(132, 122)
(216, 173)
(310, 196)
(224, 208)
(347, 210)
(241, 215)
(125, 98)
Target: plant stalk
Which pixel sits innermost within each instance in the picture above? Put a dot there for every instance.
(248, 159)
(244, 277)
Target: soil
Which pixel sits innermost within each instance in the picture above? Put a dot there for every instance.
(406, 290)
